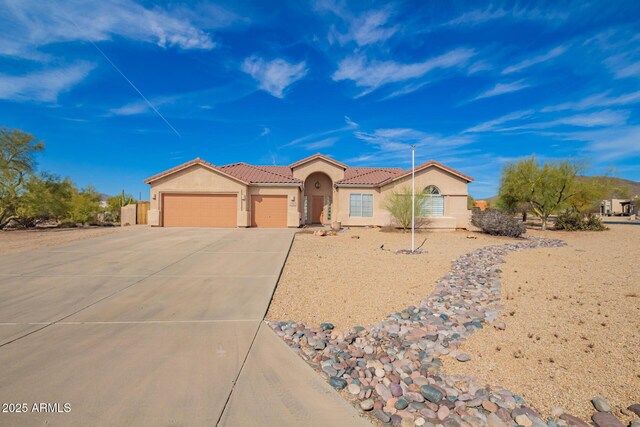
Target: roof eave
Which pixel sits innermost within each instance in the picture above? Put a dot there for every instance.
(187, 165)
(338, 184)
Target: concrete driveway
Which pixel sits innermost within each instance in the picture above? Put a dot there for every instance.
(144, 327)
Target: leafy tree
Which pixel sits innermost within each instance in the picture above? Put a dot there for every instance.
(547, 188)
(46, 197)
(590, 193)
(17, 162)
(398, 203)
(85, 205)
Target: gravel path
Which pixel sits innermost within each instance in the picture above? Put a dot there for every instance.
(393, 369)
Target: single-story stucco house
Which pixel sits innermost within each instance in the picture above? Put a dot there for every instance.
(314, 190)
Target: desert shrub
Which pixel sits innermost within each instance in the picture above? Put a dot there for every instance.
(497, 223)
(573, 220)
(85, 206)
(398, 203)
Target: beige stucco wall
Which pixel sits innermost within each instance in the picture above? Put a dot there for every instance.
(453, 188)
(197, 179)
(128, 215)
(326, 189)
(336, 173)
(293, 201)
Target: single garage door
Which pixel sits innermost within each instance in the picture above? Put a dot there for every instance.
(269, 211)
(199, 210)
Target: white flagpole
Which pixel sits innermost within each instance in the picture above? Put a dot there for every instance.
(413, 198)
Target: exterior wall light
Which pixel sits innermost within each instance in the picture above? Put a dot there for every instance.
(317, 184)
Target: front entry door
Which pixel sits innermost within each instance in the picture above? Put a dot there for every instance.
(317, 206)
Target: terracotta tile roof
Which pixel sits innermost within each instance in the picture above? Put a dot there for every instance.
(282, 170)
(249, 174)
(355, 171)
(368, 176)
(196, 161)
(259, 174)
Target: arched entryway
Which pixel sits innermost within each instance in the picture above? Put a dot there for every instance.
(318, 198)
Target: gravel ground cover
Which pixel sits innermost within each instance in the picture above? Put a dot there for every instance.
(25, 240)
(393, 371)
(572, 318)
(325, 275)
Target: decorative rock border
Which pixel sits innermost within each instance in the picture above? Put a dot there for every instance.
(392, 370)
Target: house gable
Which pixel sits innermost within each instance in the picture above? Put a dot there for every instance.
(323, 164)
(449, 183)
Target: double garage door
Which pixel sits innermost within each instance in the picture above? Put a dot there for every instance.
(221, 210)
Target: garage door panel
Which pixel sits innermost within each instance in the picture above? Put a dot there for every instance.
(200, 210)
(269, 211)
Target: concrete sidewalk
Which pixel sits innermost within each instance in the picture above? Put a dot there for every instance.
(277, 388)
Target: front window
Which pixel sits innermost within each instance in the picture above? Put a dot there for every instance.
(433, 202)
(361, 205)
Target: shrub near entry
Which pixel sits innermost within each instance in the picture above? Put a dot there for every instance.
(497, 223)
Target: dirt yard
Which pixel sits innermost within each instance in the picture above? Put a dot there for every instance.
(350, 281)
(25, 240)
(573, 324)
(572, 314)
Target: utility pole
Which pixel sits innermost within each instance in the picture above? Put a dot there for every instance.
(413, 198)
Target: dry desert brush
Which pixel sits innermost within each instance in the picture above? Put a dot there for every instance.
(398, 203)
(574, 220)
(497, 223)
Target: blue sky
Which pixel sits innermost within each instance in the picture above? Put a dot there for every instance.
(121, 90)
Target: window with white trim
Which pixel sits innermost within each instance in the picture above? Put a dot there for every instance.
(360, 205)
(433, 202)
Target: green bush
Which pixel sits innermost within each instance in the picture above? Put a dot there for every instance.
(497, 223)
(573, 220)
(85, 206)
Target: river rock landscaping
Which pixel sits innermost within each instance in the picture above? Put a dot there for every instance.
(392, 370)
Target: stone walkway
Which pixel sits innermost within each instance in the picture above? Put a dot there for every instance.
(392, 370)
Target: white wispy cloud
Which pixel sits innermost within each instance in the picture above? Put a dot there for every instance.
(605, 118)
(276, 75)
(529, 62)
(623, 66)
(394, 144)
(598, 100)
(493, 124)
(503, 88)
(610, 144)
(349, 126)
(143, 107)
(323, 143)
(373, 74)
(479, 16)
(368, 28)
(266, 131)
(491, 13)
(44, 86)
(31, 24)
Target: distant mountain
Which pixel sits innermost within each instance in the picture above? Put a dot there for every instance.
(616, 183)
(104, 197)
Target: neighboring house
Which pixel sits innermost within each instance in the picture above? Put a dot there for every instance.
(481, 204)
(314, 190)
(617, 207)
